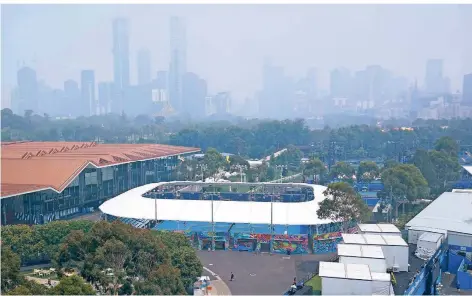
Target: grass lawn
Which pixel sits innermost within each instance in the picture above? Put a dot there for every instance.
(315, 282)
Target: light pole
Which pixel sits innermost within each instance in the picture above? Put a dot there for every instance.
(212, 221)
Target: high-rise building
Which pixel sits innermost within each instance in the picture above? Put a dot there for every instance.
(467, 90)
(27, 97)
(87, 86)
(120, 53)
(340, 83)
(193, 95)
(105, 97)
(161, 80)
(144, 67)
(121, 78)
(72, 97)
(178, 61)
(434, 81)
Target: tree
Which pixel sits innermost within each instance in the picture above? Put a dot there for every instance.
(73, 285)
(422, 161)
(446, 167)
(30, 288)
(342, 204)
(214, 160)
(404, 181)
(315, 168)
(10, 269)
(367, 171)
(167, 278)
(187, 262)
(342, 170)
(447, 145)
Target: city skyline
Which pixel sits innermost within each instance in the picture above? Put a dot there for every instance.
(215, 54)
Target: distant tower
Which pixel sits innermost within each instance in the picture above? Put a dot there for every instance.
(178, 61)
(121, 78)
(88, 101)
(144, 67)
(434, 80)
(27, 97)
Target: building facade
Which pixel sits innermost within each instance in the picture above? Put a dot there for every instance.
(47, 181)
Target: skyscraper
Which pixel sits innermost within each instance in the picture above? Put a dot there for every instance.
(144, 67)
(120, 53)
(178, 61)
(88, 102)
(467, 90)
(340, 83)
(27, 98)
(105, 95)
(72, 97)
(434, 80)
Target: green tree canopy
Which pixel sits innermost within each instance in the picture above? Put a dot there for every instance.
(72, 285)
(343, 204)
(404, 181)
(447, 145)
(342, 170)
(367, 171)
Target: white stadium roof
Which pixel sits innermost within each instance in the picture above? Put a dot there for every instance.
(132, 204)
(451, 211)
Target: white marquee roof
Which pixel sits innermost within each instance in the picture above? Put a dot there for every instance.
(451, 211)
(132, 204)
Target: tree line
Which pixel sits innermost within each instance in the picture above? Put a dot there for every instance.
(248, 138)
(108, 258)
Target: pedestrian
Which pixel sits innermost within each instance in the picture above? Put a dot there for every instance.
(232, 276)
(295, 281)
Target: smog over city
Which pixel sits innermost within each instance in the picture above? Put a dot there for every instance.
(259, 61)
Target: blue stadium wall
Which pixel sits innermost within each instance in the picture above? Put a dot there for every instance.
(296, 239)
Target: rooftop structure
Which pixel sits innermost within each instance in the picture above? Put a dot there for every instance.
(132, 204)
(360, 251)
(372, 239)
(379, 228)
(34, 166)
(345, 271)
(451, 211)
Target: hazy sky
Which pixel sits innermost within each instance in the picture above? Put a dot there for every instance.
(227, 44)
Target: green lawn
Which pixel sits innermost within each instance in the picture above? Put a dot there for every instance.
(315, 282)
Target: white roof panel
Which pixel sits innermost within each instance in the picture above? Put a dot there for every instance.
(358, 272)
(394, 240)
(369, 228)
(132, 204)
(380, 276)
(332, 269)
(349, 250)
(430, 237)
(372, 252)
(364, 251)
(374, 239)
(451, 211)
(388, 228)
(379, 228)
(350, 238)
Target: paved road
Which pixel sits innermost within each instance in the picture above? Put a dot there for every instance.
(259, 274)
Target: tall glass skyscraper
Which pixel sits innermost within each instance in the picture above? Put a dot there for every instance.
(120, 60)
(178, 61)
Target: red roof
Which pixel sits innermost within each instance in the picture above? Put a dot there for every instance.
(32, 166)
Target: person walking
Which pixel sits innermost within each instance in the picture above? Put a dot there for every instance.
(232, 276)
